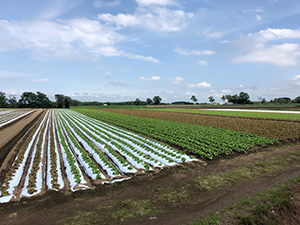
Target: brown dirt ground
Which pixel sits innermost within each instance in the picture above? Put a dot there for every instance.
(13, 133)
(52, 206)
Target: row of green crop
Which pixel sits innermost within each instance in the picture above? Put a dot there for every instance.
(31, 186)
(83, 154)
(138, 141)
(121, 145)
(264, 115)
(203, 141)
(53, 156)
(108, 148)
(66, 150)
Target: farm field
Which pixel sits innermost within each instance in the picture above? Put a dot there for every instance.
(279, 130)
(9, 116)
(112, 166)
(89, 150)
(266, 114)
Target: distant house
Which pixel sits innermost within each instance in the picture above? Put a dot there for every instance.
(104, 104)
(215, 103)
(230, 103)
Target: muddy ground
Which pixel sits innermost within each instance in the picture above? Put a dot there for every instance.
(54, 206)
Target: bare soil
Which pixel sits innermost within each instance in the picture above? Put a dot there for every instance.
(11, 134)
(49, 208)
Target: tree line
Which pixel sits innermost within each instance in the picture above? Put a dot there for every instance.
(40, 100)
(36, 100)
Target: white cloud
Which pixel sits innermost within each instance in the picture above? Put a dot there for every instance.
(109, 75)
(190, 93)
(11, 75)
(200, 85)
(203, 62)
(154, 18)
(258, 17)
(40, 80)
(280, 55)
(208, 33)
(156, 2)
(177, 80)
(101, 4)
(296, 80)
(153, 78)
(260, 51)
(296, 77)
(75, 39)
(226, 91)
(119, 83)
(275, 34)
(193, 52)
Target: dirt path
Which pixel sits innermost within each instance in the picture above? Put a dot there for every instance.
(52, 206)
(11, 134)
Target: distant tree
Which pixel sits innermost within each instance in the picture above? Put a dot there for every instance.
(12, 101)
(282, 100)
(67, 103)
(223, 98)
(42, 100)
(244, 98)
(263, 101)
(149, 101)
(28, 100)
(3, 99)
(60, 100)
(156, 100)
(194, 99)
(297, 100)
(137, 102)
(211, 99)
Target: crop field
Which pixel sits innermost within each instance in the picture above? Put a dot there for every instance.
(110, 165)
(8, 116)
(68, 150)
(203, 141)
(268, 115)
(274, 129)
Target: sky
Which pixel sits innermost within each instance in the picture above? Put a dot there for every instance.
(122, 50)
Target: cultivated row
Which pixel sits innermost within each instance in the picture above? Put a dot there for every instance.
(72, 151)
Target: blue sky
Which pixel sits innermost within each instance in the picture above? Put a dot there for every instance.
(122, 50)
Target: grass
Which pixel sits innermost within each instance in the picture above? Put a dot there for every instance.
(241, 174)
(284, 116)
(270, 207)
(113, 213)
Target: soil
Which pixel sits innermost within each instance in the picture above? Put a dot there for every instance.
(49, 208)
(11, 134)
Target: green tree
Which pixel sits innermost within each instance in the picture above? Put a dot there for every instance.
(149, 101)
(297, 100)
(67, 103)
(60, 100)
(137, 102)
(223, 98)
(42, 100)
(3, 99)
(211, 99)
(156, 100)
(194, 99)
(244, 98)
(28, 100)
(12, 101)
